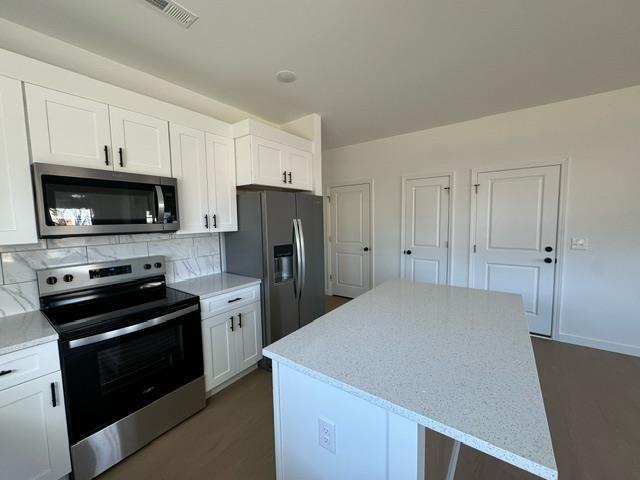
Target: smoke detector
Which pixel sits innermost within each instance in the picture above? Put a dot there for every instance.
(174, 11)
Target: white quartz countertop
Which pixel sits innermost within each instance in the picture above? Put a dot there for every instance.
(212, 285)
(458, 361)
(25, 330)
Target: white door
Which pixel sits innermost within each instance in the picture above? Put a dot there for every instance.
(221, 168)
(249, 337)
(219, 339)
(18, 224)
(140, 143)
(426, 229)
(68, 130)
(189, 166)
(515, 241)
(269, 162)
(350, 240)
(33, 432)
(299, 164)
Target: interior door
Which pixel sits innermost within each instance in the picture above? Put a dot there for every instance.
(189, 166)
(351, 240)
(18, 214)
(221, 168)
(516, 236)
(68, 130)
(426, 229)
(269, 162)
(140, 143)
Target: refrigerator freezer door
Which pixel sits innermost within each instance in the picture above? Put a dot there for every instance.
(309, 213)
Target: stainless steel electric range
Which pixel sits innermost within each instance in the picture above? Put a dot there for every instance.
(131, 355)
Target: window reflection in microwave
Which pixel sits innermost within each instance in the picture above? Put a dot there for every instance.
(71, 216)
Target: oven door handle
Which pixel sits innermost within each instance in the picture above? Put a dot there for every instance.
(81, 342)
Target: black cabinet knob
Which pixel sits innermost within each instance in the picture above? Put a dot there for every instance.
(68, 278)
(147, 266)
(548, 249)
(51, 280)
(407, 252)
(157, 265)
(548, 260)
(366, 249)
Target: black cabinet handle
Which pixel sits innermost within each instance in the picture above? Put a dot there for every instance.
(121, 157)
(215, 221)
(366, 249)
(240, 320)
(284, 177)
(548, 260)
(407, 252)
(106, 155)
(54, 400)
(234, 300)
(206, 221)
(548, 249)
(5, 372)
(231, 318)
(289, 177)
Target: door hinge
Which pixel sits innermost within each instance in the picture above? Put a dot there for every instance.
(446, 188)
(329, 198)
(474, 249)
(329, 238)
(446, 244)
(330, 277)
(476, 185)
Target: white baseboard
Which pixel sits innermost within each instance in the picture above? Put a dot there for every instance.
(600, 344)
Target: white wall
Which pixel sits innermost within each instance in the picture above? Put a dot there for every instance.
(600, 134)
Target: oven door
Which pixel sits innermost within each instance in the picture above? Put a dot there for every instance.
(82, 201)
(110, 375)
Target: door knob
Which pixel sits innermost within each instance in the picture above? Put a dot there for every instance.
(366, 249)
(548, 260)
(407, 252)
(548, 249)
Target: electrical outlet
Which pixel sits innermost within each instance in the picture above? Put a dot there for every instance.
(579, 244)
(327, 434)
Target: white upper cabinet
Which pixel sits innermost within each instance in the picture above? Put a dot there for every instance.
(272, 157)
(189, 166)
(204, 165)
(221, 175)
(140, 143)
(68, 130)
(16, 200)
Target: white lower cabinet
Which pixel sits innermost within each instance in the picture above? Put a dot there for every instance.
(232, 342)
(33, 430)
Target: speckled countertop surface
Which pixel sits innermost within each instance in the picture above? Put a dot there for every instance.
(24, 330)
(212, 285)
(458, 361)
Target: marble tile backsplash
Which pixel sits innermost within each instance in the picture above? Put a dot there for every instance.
(187, 256)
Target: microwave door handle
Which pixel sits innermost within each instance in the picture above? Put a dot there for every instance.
(303, 259)
(160, 197)
(101, 337)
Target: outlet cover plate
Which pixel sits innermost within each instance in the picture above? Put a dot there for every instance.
(327, 434)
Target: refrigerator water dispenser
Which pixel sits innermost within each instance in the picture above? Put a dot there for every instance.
(283, 262)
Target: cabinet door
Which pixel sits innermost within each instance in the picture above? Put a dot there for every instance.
(249, 336)
(221, 168)
(16, 198)
(189, 166)
(299, 163)
(68, 130)
(219, 345)
(33, 433)
(144, 141)
(269, 162)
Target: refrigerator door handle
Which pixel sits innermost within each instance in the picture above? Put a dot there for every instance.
(303, 259)
(297, 259)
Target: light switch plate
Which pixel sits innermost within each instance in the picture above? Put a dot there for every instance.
(327, 434)
(579, 244)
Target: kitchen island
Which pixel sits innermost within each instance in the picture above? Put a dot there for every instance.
(355, 390)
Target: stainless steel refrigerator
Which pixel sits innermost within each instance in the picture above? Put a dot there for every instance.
(280, 240)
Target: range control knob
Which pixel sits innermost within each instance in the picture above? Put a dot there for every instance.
(147, 266)
(68, 277)
(51, 280)
(157, 265)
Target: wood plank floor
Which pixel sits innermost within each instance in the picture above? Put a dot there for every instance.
(592, 399)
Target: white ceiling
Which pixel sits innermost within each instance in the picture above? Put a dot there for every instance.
(371, 68)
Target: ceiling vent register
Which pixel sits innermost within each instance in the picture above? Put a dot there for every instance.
(174, 11)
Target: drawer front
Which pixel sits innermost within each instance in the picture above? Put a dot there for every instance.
(231, 300)
(29, 363)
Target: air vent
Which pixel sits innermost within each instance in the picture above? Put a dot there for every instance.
(174, 11)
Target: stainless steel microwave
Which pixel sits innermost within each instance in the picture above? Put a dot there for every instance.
(73, 201)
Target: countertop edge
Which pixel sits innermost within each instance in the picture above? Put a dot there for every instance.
(526, 464)
(230, 289)
(28, 344)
